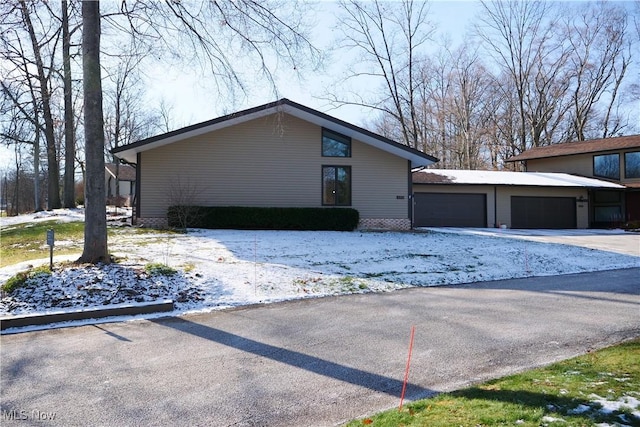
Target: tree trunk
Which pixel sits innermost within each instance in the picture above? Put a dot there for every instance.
(69, 134)
(36, 170)
(53, 169)
(95, 227)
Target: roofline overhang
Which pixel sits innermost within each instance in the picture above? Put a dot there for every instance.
(490, 184)
(417, 158)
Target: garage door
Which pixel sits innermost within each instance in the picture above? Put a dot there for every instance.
(543, 212)
(450, 210)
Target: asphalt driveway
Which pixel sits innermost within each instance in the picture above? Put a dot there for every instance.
(310, 362)
(618, 241)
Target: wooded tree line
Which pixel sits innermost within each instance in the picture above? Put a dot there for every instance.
(41, 108)
(527, 74)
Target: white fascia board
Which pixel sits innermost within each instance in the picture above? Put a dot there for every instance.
(531, 179)
(130, 155)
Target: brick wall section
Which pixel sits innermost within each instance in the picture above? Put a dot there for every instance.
(365, 223)
(152, 222)
(384, 224)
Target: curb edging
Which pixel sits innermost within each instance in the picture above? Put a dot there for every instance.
(90, 313)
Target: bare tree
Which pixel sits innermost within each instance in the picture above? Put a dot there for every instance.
(42, 70)
(69, 117)
(20, 120)
(387, 38)
(126, 119)
(207, 37)
(435, 96)
(519, 37)
(469, 108)
(207, 30)
(601, 53)
(43, 75)
(182, 197)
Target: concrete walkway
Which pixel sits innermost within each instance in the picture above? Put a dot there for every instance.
(313, 362)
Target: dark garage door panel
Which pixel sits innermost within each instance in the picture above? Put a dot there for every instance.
(450, 210)
(543, 212)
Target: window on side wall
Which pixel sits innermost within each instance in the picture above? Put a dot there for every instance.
(632, 165)
(607, 166)
(335, 144)
(336, 185)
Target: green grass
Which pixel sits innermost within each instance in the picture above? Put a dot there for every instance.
(541, 397)
(25, 242)
(159, 269)
(20, 279)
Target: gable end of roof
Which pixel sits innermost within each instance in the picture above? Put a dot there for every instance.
(287, 106)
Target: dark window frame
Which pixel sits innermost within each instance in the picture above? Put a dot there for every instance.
(626, 169)
(336, 197)
(337, 137)
(616, 177)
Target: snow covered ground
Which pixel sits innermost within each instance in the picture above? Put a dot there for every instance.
(226, 268)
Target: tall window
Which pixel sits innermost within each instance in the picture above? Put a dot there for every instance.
(335, 144)
(607, 166)
(632, 165)
(336, 185)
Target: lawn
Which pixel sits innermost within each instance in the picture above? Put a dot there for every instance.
(599, 388)
(28, 241)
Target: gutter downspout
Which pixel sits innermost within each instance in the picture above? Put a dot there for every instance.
(410, 187)
(495, 206)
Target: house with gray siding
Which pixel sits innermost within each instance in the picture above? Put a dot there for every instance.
(120, 182)
(615, 160)
(280, 154)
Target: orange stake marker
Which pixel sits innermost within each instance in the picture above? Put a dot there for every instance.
(406, 371)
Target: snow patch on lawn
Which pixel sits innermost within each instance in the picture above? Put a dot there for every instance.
(602, 406)
(60, 215)
(227, 268)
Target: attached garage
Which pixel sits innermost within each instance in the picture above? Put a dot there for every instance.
(543, 212)
(450, 210)
(465, 198)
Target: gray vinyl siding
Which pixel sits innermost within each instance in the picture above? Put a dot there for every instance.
(275, 161)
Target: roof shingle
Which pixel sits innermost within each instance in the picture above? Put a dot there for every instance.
(125, 172)
(580, 147)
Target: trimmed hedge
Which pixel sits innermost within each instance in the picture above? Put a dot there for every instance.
(250, 218)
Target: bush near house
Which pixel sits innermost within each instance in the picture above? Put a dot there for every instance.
(251, 218)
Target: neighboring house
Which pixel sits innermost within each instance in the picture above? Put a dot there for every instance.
(123, 177)
(616, 160)
(281, 154)
(466, 198)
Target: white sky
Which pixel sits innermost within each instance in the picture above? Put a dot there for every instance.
(193, 102)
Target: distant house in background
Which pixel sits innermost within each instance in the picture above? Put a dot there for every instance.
(280, 154)
(127, 176)
(615, 160)
(471, 198)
